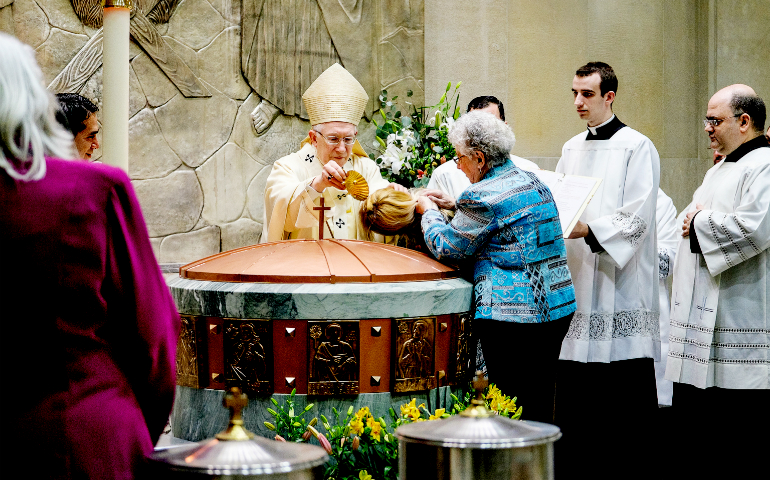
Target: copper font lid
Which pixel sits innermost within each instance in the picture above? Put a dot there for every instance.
(318, 261)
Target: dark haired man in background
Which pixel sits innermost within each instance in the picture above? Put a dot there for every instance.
(606, 383)
(78, 115)
(451, 180)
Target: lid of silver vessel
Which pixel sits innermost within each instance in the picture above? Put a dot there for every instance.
(478, 427)
(236, 451)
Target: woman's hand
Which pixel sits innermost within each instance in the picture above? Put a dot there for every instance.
(443, 200)
(424, 203)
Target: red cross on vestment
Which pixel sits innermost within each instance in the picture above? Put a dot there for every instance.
(321, 218)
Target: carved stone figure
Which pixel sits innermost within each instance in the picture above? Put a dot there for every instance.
(90, 11)
(286, 44)
(143, 31)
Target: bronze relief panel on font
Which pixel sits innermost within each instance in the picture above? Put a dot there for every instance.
(415, 354)
(248, 351)
(333, 357)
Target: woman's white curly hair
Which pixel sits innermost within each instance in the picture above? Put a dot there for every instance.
(28, 128)
(482, 132)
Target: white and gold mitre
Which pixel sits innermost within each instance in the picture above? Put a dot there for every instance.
(335, 96)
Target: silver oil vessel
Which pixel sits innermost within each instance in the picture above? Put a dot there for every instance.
(476, 444)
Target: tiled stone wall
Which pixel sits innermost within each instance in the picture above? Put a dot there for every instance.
(197, 166)
(670, 57)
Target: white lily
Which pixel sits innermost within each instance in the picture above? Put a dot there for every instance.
(397, 164)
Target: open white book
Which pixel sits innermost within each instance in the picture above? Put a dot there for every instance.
(571, 193)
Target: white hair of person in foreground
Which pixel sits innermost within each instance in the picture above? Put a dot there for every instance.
(28, 128)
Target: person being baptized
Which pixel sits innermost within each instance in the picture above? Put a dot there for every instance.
(392, 213)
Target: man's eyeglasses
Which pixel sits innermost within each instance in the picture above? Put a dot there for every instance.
(334, 141)
(715, 122)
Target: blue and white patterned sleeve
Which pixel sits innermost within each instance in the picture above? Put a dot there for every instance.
(468, 232)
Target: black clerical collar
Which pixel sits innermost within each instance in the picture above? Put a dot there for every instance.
(606, 130)
(747, 147)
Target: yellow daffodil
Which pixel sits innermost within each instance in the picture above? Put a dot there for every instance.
(438, 414)
(411, 411)
(500, 403)
(493, 392)
(357, 426)
(364, 475)
(375, 426)
(406, 408)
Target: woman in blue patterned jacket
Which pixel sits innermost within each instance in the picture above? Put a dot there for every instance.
(507, 221)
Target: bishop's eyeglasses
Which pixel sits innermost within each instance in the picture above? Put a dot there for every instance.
(334, 141)
(715, 122)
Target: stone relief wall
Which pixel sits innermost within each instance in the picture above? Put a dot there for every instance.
(196, 161)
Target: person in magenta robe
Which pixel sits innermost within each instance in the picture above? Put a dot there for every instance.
(89, 326)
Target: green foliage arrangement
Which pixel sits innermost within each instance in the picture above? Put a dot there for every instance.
(363, 446)
(362, 443)
(287, 425)
(410, 146)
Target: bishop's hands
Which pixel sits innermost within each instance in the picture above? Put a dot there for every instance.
(332, 175)
(688, 220)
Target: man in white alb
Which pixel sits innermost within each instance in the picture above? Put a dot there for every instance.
(335, 103)
(606, 382)
(449, 178)
(719, 356)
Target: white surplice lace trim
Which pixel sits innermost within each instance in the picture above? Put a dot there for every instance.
(606, 326)
(632, 228)
(664, 263)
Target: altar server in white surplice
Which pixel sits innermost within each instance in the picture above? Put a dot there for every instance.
(606, 383)
(335, 103)
(719, 353)
(668, 240)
